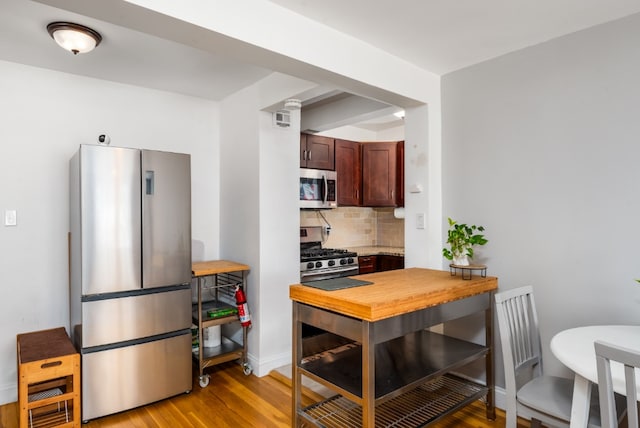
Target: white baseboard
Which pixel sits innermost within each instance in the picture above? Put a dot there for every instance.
(501, 399)
(265, 366)
(8, 393)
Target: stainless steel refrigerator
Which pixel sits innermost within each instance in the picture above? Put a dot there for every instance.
(130, 268)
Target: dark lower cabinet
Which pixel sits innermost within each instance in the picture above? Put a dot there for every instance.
(379, 263)
(385, 262)
(367, 264)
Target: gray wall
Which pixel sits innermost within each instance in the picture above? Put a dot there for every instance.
(542, 147)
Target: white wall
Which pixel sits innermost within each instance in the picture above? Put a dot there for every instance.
(422, 149)
(260, 213)
(45, 117)
(391, 134)
(249, 213)
(355, 133)
(280, 237)
(541, 147)
(317, 54)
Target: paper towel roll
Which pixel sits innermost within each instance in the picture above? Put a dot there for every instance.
(398, 212)
(212, 336)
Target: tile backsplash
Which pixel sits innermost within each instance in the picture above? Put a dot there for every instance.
(357, 227)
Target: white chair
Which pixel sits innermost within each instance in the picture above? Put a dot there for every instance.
(529, 393)
(605, 353)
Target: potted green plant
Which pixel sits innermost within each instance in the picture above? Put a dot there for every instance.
(462, 238)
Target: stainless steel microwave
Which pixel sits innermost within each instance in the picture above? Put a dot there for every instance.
(318, 188)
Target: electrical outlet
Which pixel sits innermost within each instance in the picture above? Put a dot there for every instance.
(10, 218)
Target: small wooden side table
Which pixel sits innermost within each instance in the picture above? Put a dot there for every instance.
(48, 379)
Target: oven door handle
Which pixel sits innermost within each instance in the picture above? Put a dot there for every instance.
(318, 275)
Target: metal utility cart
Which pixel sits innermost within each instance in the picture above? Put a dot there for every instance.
(218, 308)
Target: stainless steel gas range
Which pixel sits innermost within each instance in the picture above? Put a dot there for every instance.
(318, 263)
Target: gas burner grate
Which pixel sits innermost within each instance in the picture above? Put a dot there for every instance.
(324, 253)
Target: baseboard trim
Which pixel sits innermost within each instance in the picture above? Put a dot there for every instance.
(8, 393)
(265, 366)
(501, 398)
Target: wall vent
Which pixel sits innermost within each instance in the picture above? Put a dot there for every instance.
(282, 118)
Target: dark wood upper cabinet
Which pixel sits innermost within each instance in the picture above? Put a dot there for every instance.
(317, 152)
(349, 172)
(382, 174)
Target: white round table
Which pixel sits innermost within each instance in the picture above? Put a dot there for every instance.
(574, 348)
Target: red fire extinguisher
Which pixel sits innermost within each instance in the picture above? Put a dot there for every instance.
(243, 308)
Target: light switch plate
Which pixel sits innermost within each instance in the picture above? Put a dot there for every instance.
(10, 218)
(415, 188)
(420, 221)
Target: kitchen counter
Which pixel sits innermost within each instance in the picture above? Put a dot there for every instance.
(393, 293)
(393, 359)
(375, 250)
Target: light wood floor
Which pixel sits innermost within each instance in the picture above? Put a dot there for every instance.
(235, 400)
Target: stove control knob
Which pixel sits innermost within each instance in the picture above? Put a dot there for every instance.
(318, 264)
(310, 265)
(350, 260)
(343, 261)
(331, 262)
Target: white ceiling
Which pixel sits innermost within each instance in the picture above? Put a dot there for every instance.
(445, 35)
(437, 35)
(124, 56)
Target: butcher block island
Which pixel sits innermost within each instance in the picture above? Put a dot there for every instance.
(389, 369)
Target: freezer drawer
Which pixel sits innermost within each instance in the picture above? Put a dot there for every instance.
(135, 316)
(123, 378)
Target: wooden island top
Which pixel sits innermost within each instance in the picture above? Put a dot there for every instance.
(393, 293)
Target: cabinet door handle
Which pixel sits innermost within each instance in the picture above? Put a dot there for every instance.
(304, 155)
(309, 154)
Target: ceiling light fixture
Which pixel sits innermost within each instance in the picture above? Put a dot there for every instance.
(399, 114)
(292, 104)
(75, 38)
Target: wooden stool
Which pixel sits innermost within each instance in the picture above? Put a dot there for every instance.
(48, 377)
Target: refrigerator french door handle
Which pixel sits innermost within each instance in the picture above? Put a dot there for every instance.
(149, 179)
